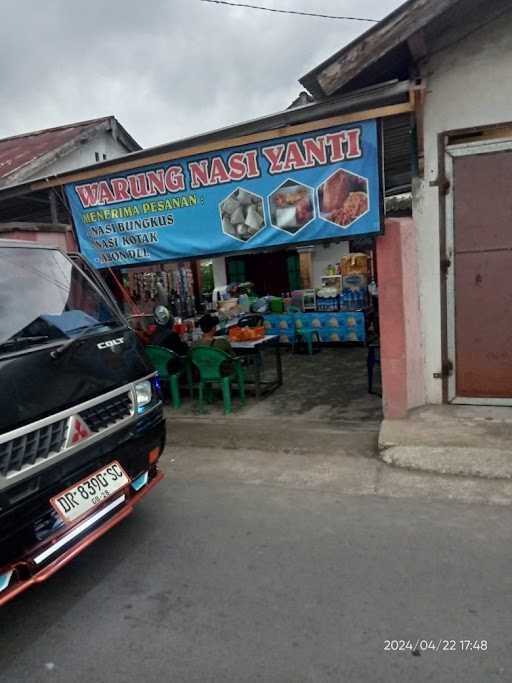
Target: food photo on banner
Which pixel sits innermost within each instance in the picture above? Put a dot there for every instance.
(297, 189)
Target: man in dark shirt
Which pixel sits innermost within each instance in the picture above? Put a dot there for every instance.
(165, 336)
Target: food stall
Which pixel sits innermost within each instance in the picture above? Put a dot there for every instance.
(272, 196)
(338, 310)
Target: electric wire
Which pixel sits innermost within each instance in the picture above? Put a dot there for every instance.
(289, 11)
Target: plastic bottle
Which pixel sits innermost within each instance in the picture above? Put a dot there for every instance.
(244, 303)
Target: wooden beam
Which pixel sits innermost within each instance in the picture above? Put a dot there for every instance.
(417, 45)
(152, 158)
(306, 266)
(375, 44)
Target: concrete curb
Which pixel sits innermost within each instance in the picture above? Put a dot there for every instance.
(450, 446)
(275, 435)
(459, 448)
(487, 463)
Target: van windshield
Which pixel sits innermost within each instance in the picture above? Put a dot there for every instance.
(44, 297)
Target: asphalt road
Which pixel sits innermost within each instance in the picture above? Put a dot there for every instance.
(236, 581)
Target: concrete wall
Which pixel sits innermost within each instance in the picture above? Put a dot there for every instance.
(323, 256)
(219, 271)
(467, 84)
(400, 326)
(103, 144)
(60, 237)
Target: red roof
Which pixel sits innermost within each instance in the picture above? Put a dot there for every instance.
(23, 150)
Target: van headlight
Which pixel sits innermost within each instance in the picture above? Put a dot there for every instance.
(143, 394)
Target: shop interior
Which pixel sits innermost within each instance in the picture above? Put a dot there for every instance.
(303, 321)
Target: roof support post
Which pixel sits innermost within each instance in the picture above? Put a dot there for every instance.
(306, 266)
(54, 211)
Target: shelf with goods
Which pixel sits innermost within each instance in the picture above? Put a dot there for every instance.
(183, 281)
(169, 284)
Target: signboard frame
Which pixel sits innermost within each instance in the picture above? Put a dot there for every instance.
(230, 145)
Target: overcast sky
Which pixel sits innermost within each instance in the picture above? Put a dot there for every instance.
(165, 68)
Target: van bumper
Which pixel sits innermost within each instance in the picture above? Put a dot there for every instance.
(21, 566)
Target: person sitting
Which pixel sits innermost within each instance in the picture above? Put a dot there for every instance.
(208, 324)
(165, 336)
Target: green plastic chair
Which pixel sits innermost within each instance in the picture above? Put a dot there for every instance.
(160, 358)
(208, 360)
(305, 334)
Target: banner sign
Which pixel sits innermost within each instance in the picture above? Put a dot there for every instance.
(283, 191)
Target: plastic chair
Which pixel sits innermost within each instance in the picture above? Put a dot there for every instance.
(209, 360)
(306, 335)
(160, 358)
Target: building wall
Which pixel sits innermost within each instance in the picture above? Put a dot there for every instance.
(219, 271)
(61, 238)
(467, 84)
(325, 255)
(322, 257)
(401, 349)
(103, 144)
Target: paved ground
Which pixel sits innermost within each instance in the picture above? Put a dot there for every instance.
(328, 386)
(223, 577)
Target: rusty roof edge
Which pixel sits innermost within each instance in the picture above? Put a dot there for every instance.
(53, 129)
(80, 124)
(27, 170)
(387, 34)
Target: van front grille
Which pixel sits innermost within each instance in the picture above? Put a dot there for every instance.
(108, 412)
(30, 448)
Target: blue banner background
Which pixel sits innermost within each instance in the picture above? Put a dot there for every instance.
(196, 231)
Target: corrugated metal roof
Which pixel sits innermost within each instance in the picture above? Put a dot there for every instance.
(22, 152)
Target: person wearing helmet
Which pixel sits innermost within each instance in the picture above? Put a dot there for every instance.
(165, 336)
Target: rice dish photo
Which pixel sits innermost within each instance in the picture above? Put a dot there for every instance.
(291, 206)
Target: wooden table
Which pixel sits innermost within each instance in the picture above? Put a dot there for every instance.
(253, 351)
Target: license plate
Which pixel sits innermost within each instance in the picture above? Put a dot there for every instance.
(82, 497)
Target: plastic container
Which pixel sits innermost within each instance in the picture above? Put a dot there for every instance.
(277, 305)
